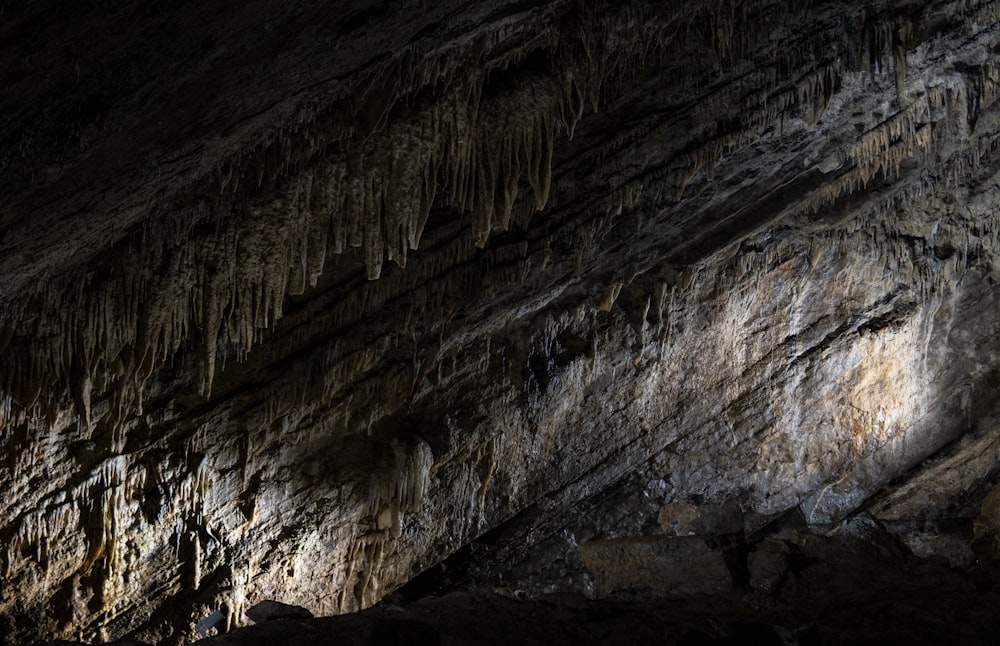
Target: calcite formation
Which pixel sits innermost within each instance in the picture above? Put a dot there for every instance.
(299, 298)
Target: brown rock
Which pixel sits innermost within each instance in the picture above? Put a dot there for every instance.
(768, 565)
(656, 567)
(678, 519)
(988, 520)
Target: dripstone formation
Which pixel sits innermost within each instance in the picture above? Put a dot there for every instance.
(300, 299)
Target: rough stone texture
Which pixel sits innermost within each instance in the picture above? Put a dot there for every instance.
(989, 513)
(678, 519)
(657, 567)
(685, 519)
(836, 593)
(296, 299)
(768, 565)
(935, 509)
(986, 531)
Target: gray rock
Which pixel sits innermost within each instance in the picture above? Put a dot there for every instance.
(719, 520)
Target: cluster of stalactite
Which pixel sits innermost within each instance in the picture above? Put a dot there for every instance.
(443, 130)
(472, 135)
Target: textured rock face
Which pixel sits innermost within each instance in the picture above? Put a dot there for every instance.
(297, 301)
(671, 567)
(809, 590)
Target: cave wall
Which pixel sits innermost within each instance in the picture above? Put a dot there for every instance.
(299, 299)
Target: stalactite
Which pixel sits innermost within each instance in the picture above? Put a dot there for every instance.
(367, 589)
(472, 150)
(478, 156)
(400, 484)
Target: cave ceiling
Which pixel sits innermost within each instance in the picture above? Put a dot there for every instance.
(297, 299)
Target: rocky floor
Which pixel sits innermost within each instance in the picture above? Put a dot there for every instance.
(806, 590)
(701, 578)
(854, 584)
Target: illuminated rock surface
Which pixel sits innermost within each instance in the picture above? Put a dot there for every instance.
(299, 299)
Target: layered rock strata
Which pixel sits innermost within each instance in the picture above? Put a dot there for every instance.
(296, 302)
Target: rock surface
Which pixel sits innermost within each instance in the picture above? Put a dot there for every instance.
(834, 592)
(298, 299)
(768, 565)
(657, 567)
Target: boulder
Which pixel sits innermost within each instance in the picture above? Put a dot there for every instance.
(655, 567)
(768, 565)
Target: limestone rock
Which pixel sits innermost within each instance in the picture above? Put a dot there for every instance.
(685, 519)
(299, 299)
(768, 565)
(463, 618)
(987, 531)
(678, 519)
(656, 567)
(988, 520)
(954, 548)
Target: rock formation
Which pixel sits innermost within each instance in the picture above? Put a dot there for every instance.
(298, 299)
